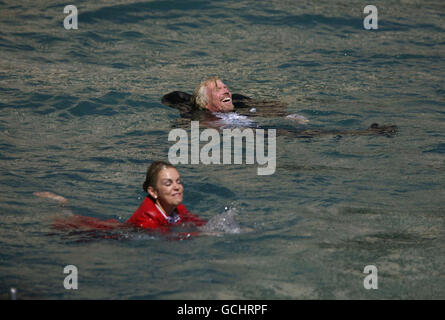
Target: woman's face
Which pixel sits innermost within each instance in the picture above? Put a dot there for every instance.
(169, 190)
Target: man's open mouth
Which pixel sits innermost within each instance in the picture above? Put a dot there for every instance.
(226, 99)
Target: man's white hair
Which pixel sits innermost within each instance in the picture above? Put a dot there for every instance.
(200, 97)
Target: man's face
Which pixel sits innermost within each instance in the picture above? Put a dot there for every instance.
(220, 98)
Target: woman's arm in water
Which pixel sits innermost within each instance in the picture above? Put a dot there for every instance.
(61, 200)
(52, 196)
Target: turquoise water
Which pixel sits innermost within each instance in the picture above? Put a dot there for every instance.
(80, 115)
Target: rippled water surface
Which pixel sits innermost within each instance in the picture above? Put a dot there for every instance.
(81, 115)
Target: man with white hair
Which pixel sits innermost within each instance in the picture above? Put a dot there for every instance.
(212, 94)
(212, 101)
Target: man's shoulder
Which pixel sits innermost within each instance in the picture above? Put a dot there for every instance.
(184, 103)
(176, 97)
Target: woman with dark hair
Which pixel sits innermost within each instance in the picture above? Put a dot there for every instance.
(161, 209)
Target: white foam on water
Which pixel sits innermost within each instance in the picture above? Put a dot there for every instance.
(233, 120)
(297, 117)
(223, 223)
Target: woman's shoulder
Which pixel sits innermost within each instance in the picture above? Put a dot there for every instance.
(182, 209)
(186, 216)
(146, 213)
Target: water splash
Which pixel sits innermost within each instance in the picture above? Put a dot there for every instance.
(223, 223)
(233, 120)
(298, 118)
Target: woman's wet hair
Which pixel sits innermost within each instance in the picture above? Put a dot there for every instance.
(199, 97)
(153, 173)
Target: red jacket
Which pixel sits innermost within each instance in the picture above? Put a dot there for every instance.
(148, 216)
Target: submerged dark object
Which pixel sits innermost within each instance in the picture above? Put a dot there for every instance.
(183, 102)
(373, 129)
